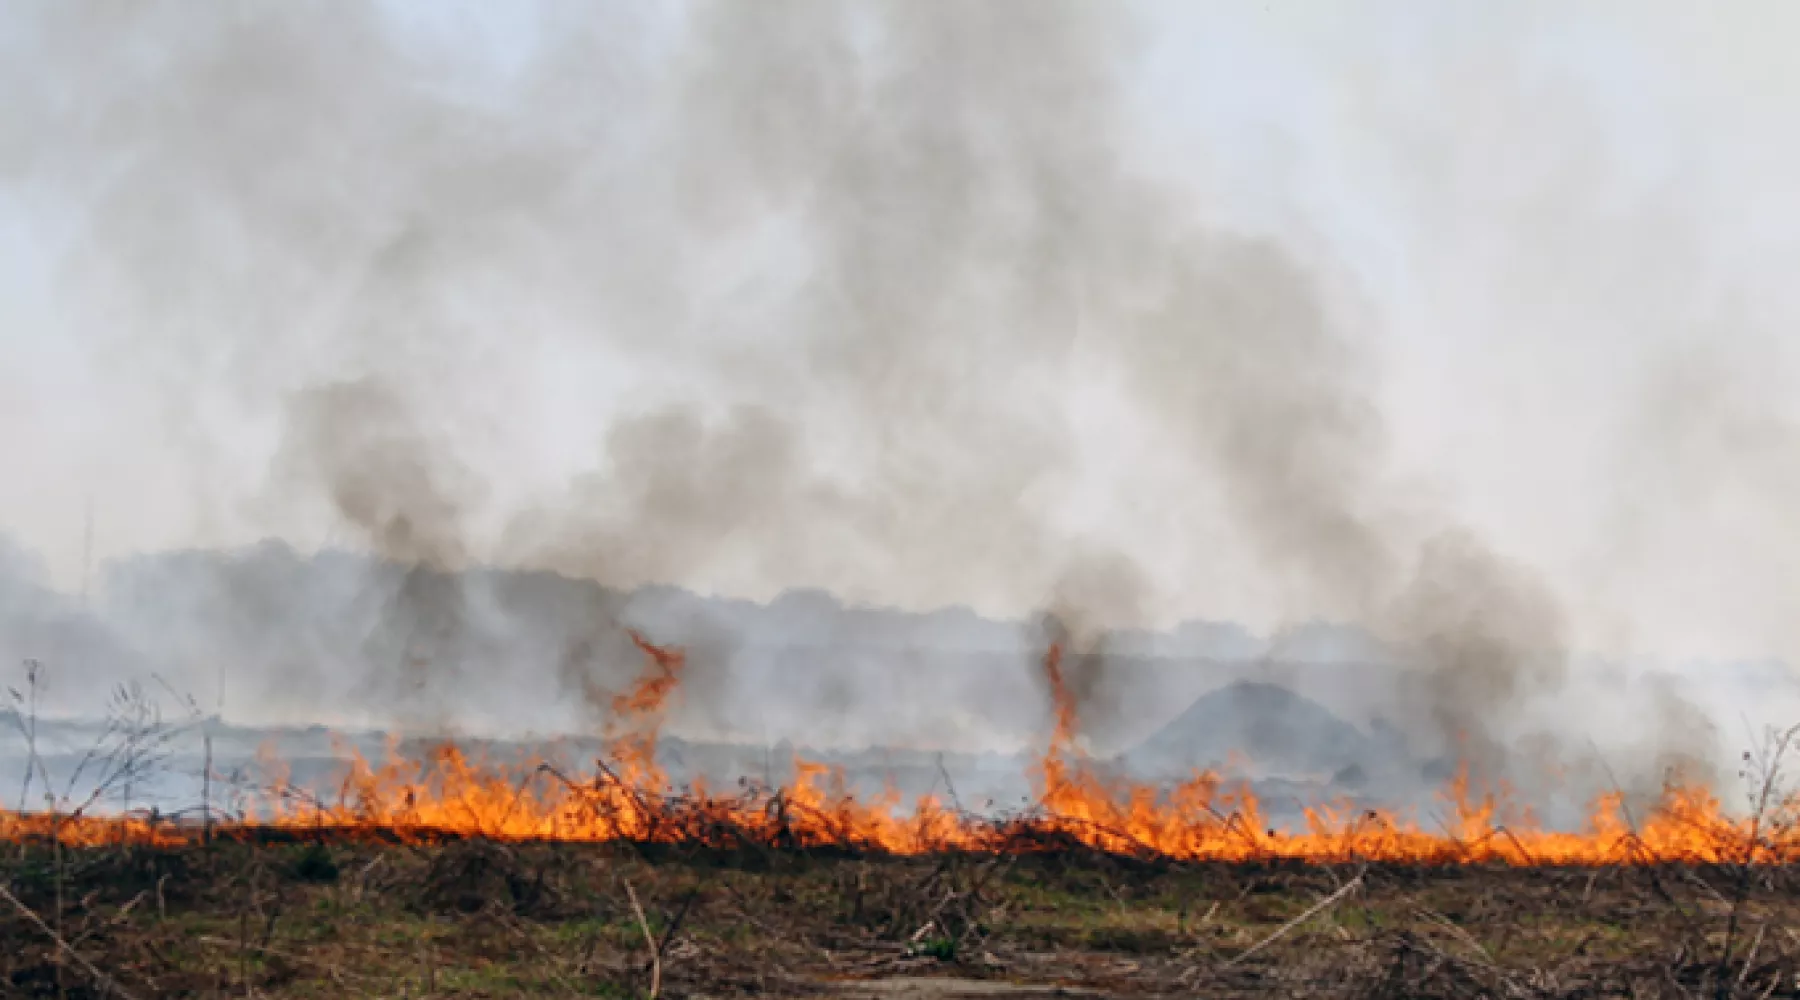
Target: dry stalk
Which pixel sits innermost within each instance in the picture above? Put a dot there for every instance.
(107, 983)
(1282, 931)
(1457, 932)
(1750, 956)
(1768, 765)
(117, 918)
(669, 932)
(649, 941)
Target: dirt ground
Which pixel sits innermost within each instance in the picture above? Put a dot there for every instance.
(477, 919)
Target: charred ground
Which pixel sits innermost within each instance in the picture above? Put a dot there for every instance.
(473, 918)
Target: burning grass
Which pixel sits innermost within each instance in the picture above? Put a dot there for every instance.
(447, 793)
(447, 874)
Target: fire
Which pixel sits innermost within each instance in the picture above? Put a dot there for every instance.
(447, 792)
(641, 710)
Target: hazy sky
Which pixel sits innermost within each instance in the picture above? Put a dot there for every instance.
(1560, 239)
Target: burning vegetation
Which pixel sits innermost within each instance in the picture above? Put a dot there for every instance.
(449, 793)
(451, 874)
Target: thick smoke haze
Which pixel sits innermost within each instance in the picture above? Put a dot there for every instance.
(1456, 327)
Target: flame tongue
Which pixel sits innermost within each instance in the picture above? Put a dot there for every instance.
(447, 792)
(638, 714)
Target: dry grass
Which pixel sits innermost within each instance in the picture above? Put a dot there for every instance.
(477, 919)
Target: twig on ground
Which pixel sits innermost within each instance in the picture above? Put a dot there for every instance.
(1282, 931)
(117, 918)
(107, 983)
(1750, 956)
(669, 932)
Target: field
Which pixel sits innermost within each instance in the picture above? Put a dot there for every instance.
(443, 874)
(275, 917)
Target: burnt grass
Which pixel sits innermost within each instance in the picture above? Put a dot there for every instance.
(484, 919)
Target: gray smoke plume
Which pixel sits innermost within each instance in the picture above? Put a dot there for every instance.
(816, 292)
(395, 488)
(1096, 591)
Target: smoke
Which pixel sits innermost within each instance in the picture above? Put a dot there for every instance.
(1486, 632)
(1096, 590)
(738, 297)
(383, 478)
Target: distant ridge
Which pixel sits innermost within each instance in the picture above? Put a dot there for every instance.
(1276, 729)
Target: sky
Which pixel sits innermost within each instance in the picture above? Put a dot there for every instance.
(588, 267)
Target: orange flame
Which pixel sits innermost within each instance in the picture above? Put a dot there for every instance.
(446, 792)
(641, 710)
